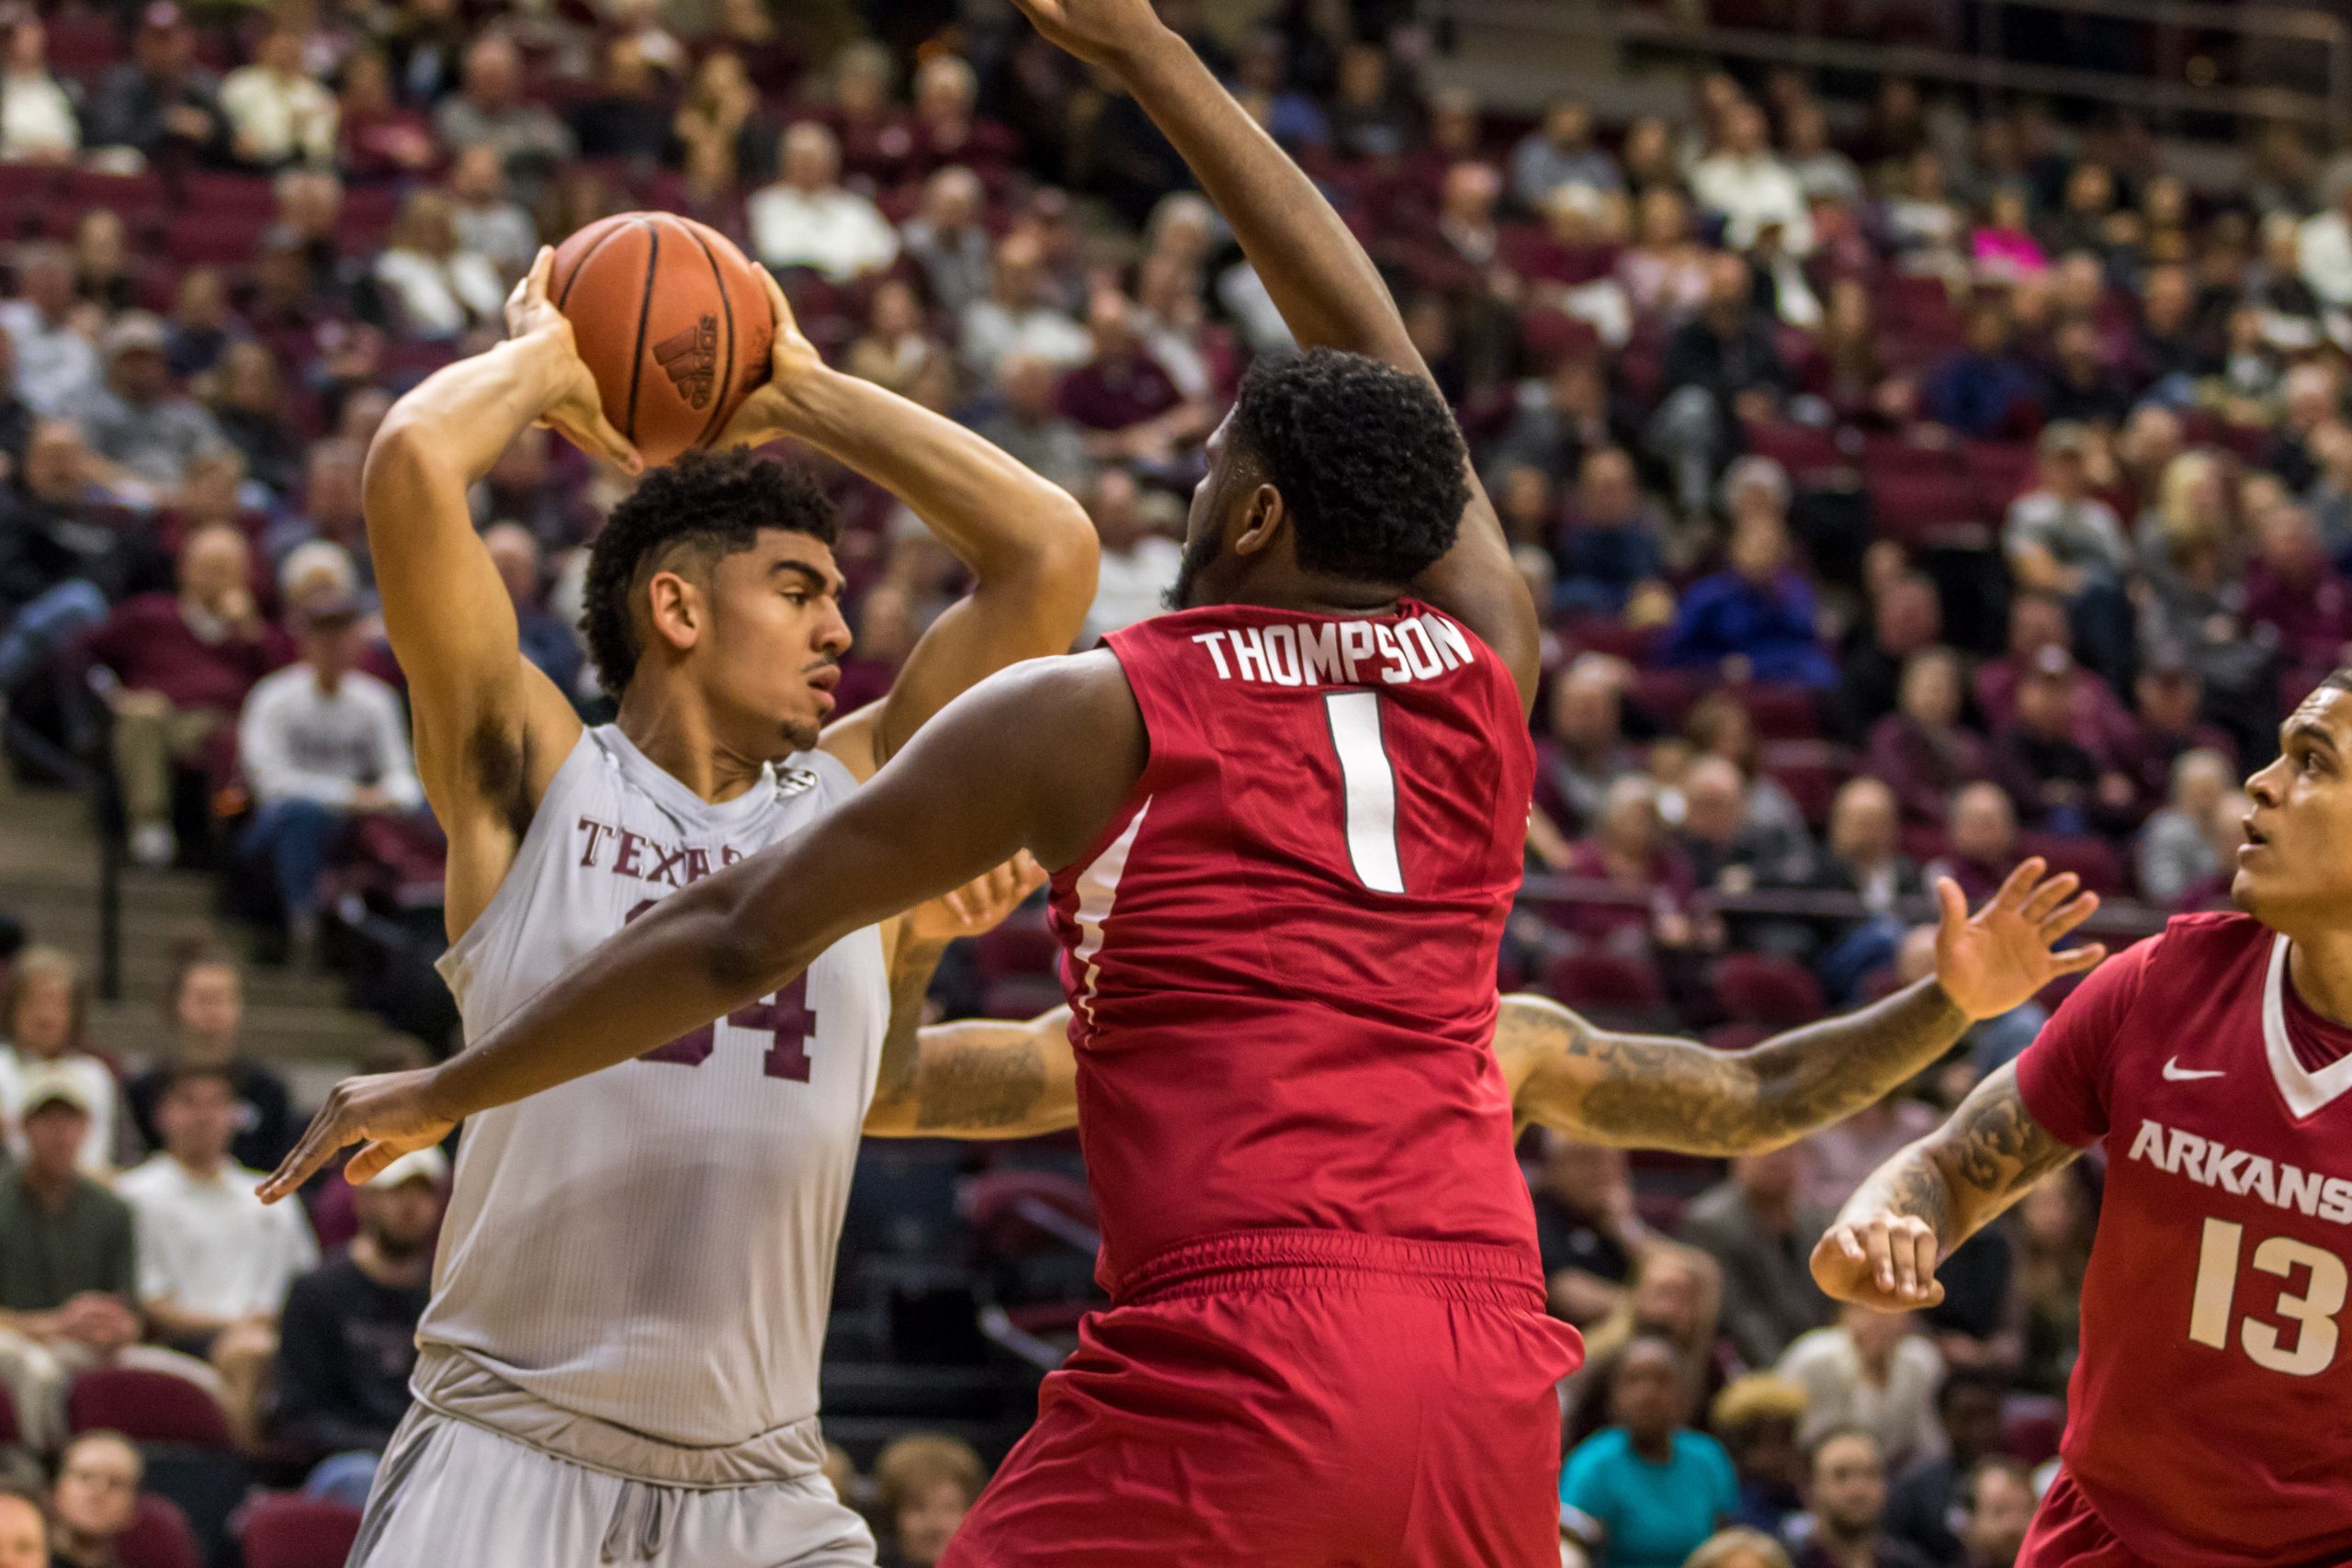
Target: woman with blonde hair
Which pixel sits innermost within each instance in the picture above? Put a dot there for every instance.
(42, 1023)
(923, 1485)
(442, 288)
(1740, 1547)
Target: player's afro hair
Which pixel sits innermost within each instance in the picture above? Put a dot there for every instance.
(713, 503)
(1367, 457)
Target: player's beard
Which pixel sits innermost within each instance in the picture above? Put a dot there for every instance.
(1200, 554)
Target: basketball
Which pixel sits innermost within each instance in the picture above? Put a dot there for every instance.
(672, 321)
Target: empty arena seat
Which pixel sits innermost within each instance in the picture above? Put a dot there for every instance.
(1777, 711)
(1606, 984)
(286, 1531)
(2030, 1435)
(145, 1406)
(1606, 634)
(159, 1536)
(2093, 859)
(1811, 771)
(1756, 987)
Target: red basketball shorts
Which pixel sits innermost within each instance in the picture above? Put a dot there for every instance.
(2068, 1534)
(1294, 1399)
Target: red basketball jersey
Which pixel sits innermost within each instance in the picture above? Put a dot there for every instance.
(2211, 1413)
(1280, 954)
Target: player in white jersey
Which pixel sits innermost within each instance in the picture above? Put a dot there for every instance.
(619, 1362)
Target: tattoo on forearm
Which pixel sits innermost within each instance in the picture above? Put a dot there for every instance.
(1914, 1187)
(2001, 1150)
(977, 1086)
(911, 968)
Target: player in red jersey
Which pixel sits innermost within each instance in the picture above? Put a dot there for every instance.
(2210, 1417)
(1288, 822)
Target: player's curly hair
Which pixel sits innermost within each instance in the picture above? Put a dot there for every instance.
(714, 503)
(1367, 457)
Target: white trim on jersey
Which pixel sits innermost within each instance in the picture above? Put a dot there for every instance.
(2308, 1093)
(1098, 886)
(1369, 784)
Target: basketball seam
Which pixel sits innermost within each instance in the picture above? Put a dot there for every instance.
(644, 309)
(582, 265)
(726, 308)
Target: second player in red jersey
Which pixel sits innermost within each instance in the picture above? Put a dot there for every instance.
(2208, 1414)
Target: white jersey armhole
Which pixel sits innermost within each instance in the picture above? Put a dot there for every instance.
(455, 966)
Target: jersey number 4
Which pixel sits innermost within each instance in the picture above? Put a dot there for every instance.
(785, 1017)
(2312, 1312)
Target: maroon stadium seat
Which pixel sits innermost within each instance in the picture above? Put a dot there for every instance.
(1605, 983)
(1809, 453)
(2093, 859)
(1606, 634)
(2030, 1436)
(1017, 1213)
(1811, 771)
(1756, 987)
(145, 1406)
(159, 1536)
(1778, 712)
(288, 1531)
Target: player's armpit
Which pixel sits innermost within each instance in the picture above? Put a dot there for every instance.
(983, 1078)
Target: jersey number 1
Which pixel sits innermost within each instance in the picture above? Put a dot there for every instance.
(1368, 788)
(786, 1018)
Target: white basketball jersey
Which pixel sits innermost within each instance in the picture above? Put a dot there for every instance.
(653, 1245)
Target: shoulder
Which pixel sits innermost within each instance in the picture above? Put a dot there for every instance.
(1604, 1448)
(1700, 1450)
(151, 1178)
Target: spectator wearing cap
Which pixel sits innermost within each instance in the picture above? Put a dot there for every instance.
(36, 120)
(1756, 619)
(438, 287)
(321, 742)
(176, 668)
(347, 1337)
(136, 421)
(57, 365)
(1721, 368)
(69, 1287)
(48, 1004)
(547, 641)
(203, 1008)
(2057, 785)
(278, 113)
(1139, 563)
(923, 1485)
(95, 1500)
(1756, 1225)
(160, 102)
(489, 111)
(1018, 316)
(1844, 1524)
(214, 1262)
(1748, 184)
(808, 219)
(1560, 152)
(1756, 1415)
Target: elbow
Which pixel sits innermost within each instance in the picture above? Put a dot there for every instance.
(1064, 555)
(400, 460)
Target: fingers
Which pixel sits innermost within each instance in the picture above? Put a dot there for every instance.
(2049, 894)
(1878, 1251)
(2075, 960)
(777, 304)
(320, 1141)
(371, 1161)
(1027, 872)
(542, 269)
(1951, 907)
(2058, 922)
(597, 437)
(2013, 891)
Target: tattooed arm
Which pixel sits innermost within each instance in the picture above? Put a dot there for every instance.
(983, 1078)
(1656, 1093)
(1925, 1202)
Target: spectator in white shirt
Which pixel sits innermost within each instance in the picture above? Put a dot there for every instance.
(1016, 317)
(36, 120)
(2326, 253)
(278, 113)
(1139, 564)
(321, 742)
(441, 288)
(1751, 187)
(488, 221)
(214, 1264)
(1869, 1369)
(806, 218)
(41, 1034)
(57, 363)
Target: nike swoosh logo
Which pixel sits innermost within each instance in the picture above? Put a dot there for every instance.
(2175, 1073)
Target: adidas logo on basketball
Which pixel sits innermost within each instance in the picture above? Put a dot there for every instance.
(692, 359)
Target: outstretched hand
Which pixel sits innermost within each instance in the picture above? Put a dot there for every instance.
(576, 411)
(1097, 31)
(390, 1115)
(1997, 958)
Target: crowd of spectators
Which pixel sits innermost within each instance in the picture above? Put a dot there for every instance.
(1905, 490)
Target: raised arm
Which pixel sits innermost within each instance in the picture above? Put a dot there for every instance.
(1327, 289)
(1915, 1209)
(1030, 545)
(1651, 1092)
(1037, 758)
(491, 729)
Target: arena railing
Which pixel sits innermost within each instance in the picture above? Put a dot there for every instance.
(2115, 918)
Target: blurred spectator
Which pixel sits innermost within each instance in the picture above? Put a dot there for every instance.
(69, 1287)
(1123, 397)
(1555, 420)
(626, 120)
(204, 1011)
(2081, 389)
(806, 219)
(329, 511)
(949, 242)
(945, 129)
(2057, 785)
(489, 111)
(488, 221)
(1586, 1228)
(177, 667)
(136, 421)
(1754, 621)
(321, 742)
(1927, 228)
(1822, 173)
(52, 547)
(1726, 853)
(894, 351)
(2062, 539)
(2004, 245)
(1986, 391)
(276, 113)
(1755, 1225)
(377, 137)
(1749, 185)
(1906, 619)
(57, 365)
(1613, 547)
(2175, 852)
(2053, 1228)
(1845, 1517)
(722, 122)
(923, 1486)
(1983, 840)
(1628, 848)
(1992, 1044)
(1738, 1548)
(214, 1263)
(160, 102)
(1864, 858)
(1869, 1369)
(1559, 153)
(1839, 1157)
(1017, 317)
(38, 124)
(547, 641)
(47, 1017)
(1925, 1501)
(95, 1500)
(24, 1530)
(2326, 253)
(102, 269)
(1664, 271)
(1996, 1510)
(1139, 564)
(347, 1338)
(1373, 115)
(1721, 367)
(1757, 1415)
(2167, 700)
(1027, 421)
(1648, 1490)
(439, 288)
(249, 407)
(2293, 590)
(197, 333)
(1588, 750)
(16, 416)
